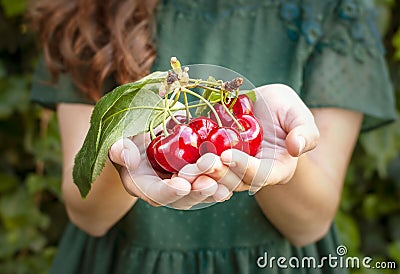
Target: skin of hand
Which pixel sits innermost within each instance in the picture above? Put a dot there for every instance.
(298, 192)
(140, 180)
(181, 191)
(210, 173)
(108, 200)
(217, 174)
(289, 131)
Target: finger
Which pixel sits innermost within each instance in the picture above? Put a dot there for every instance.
(205, 185)
(222, 194)
(142, 141)
(240, 163)
(162, 192)
(167, 191)
(251, 170)
(212, 165)
(115, 153)
(293, 117)
(190, 172)
(132, 188)
(242, 187)
(125, 153)
(202, 188)
(301, 139)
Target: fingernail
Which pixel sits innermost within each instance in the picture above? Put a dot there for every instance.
(226, 156)
(302, 144)
(181, 192)
(230, 164)
(253, 191)
(228, 196)
(123, 156)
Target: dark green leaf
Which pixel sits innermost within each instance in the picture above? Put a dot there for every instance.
(250, 93)
(108, 124)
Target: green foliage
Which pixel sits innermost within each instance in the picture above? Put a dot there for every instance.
(369, 215)
(13, 8)
(109, 122)
(396, 43)
(31, 211)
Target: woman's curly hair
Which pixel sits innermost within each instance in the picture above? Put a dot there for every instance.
(95, 39)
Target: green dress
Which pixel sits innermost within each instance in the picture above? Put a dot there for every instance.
(328, 51)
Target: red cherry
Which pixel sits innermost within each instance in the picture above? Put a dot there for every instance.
(203, 126)
(160, 159)
(180, 118)
(225, 118)
(243, 105)
(221, 139)
(178, 149)
(252, 133)
(150, 151)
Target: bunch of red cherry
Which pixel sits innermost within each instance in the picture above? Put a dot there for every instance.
(189, 139)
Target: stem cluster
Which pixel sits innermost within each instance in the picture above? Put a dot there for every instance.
(177, 86)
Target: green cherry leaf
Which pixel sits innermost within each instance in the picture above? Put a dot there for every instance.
(108, 123)
(250, 93)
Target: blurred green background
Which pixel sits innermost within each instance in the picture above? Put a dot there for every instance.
(31, 212)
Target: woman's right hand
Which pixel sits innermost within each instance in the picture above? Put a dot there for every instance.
(140, 180)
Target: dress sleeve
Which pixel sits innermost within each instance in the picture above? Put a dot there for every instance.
(48, 94)
(348, 68)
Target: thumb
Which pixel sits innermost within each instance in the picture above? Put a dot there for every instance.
(125, 153)
(291, 114)
(302, 138)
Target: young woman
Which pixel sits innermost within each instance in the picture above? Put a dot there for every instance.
(328, 52)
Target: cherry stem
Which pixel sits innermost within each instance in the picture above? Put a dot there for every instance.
(197, 84)
(176, 94)
(194, 106)
(167, 110)
(164, 124)
(196, 81)
(186, 107)
(151, 126)
(240, 127)
(234, 99)
(210, 88)
(222, 99)
(206, 102)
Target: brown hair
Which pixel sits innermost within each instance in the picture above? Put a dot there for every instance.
(94, 39)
